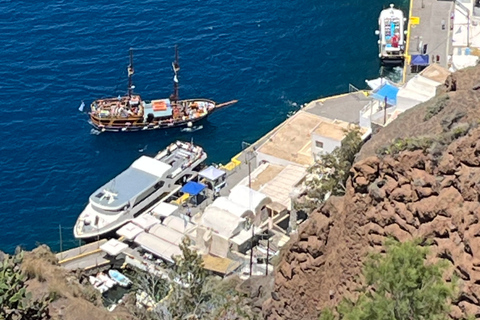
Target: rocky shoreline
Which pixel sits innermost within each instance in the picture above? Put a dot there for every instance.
(431, 193)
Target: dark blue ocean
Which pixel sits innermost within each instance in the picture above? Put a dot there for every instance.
(272, 56)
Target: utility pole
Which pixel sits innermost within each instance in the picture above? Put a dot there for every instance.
(268, 249)
(253, 224)
(385, 112)
(248, 159)
(468, 29)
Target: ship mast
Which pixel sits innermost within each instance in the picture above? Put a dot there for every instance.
(176, 68)
(130, 75)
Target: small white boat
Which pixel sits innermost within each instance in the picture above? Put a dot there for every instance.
(391, 33)
(98, 284)
(119, 278)
(106, 280)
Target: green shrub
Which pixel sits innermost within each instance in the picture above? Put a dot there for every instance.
(400, 285)
(407, 144)
(15, 301)
(436, 107)
(331, 172)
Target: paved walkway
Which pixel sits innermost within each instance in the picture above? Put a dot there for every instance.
(90, 261)
(85, 249)
(429, 31)
(84, 257)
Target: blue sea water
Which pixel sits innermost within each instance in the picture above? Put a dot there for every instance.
(272, 56)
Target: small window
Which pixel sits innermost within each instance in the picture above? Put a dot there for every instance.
(319, 144)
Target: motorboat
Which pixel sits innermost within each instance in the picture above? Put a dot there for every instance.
(98, 284)
(147, 181)
(109, 282)
(119, 278)
(391, 36)
(131, 113)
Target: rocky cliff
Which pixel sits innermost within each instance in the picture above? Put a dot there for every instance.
(412, 190)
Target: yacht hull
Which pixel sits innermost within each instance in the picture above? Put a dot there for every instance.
(148, 181)
(391, 37)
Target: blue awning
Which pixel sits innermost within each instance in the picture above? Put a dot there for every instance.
(386, 91)
(193, 188)
(419, 60)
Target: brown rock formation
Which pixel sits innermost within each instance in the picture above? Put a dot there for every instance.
(458, 102)
(431, 196)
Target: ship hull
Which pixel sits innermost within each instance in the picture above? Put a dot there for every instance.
(391, 37)
(135, 127)
(391, 62)
(147, 181)
(141, 123)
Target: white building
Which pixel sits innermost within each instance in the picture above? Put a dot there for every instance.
(276, 182)
(232, 207)
(327, 136)
(251, 199)
(302, 139)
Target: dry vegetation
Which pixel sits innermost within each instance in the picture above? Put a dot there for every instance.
(72, 300)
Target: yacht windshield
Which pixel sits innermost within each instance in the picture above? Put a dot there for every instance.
(107, 212)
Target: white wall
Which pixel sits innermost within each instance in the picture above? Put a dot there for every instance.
(365, 120)
(404, 102)
(328, 145)
(366, 113)
(273, 160)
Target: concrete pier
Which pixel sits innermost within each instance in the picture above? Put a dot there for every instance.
(84, 257)
(430, 26)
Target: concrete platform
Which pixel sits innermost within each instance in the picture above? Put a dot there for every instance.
(345, 107)
(84, 257)
(429, 31)
(86, 262)
(80, 251)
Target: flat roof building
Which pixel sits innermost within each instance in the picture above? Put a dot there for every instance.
(302, 139)
(290, 144)
(278, 185)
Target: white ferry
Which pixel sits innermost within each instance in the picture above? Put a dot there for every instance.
(144, 183)
(391, 33)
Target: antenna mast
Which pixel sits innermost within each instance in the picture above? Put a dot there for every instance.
(130, 74)
(176, 67)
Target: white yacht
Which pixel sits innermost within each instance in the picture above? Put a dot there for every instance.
(391, 33)
(147, 181)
